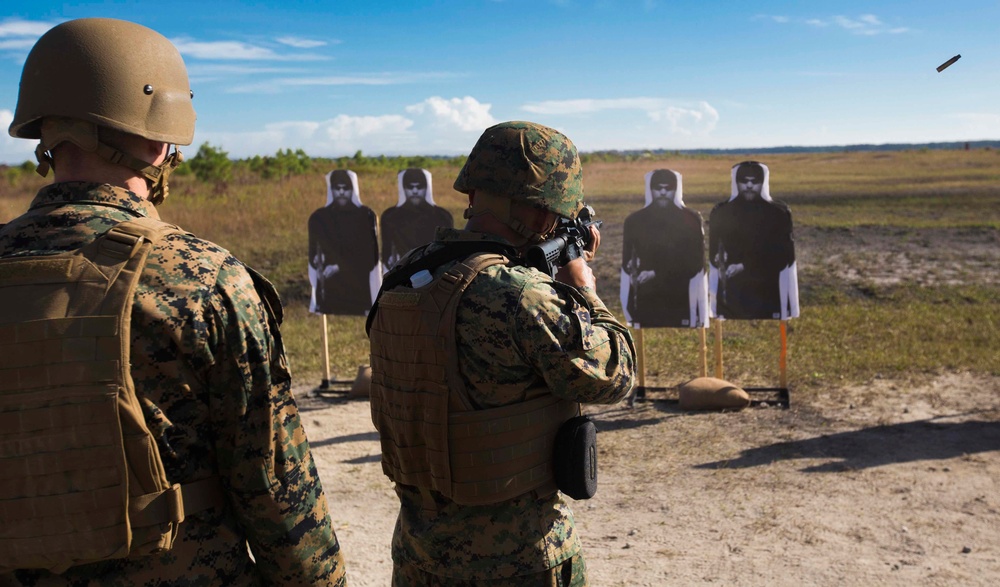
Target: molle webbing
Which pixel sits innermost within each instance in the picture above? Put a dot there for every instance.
(504, 452)
(81, 477)
(431, 435)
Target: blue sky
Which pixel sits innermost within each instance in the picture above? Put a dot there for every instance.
(332, 77)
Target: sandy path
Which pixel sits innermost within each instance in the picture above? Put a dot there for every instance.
(882, 484)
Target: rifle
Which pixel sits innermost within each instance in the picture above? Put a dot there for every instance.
(633, 270)
(721, 261)
(569, 240)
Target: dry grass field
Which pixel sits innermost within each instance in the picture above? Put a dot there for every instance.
(884, 471)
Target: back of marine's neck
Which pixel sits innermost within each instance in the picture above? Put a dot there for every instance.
(488, 224)
(82, 166)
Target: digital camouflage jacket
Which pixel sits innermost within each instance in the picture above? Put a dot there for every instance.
(516, 329)
(210, 369)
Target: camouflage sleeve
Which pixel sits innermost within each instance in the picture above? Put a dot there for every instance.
(263, 454)
(581, 350)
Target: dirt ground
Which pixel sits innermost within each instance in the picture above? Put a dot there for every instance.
(880, 484)
(885, 483)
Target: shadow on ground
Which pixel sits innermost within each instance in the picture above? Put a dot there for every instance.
(921, 440)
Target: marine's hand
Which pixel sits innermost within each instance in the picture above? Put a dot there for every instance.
(577, 273)
(595, 241)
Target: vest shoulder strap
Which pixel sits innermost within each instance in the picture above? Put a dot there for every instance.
(457, 250)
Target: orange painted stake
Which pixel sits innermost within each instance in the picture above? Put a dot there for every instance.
(718, 349)
(326, 356)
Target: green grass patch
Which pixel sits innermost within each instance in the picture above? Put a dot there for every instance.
(848, 332)
(845, 337)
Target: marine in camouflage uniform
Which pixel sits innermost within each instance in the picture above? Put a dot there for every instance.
(517, 328)
(209, 369)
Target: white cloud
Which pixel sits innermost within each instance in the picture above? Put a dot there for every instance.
(13, 27)
(278, 85)
(865, 24)
(17, 44)
(222, 50)
(465, 114)
(348, 128)
(300, 43)
(652, 120)
(226, 69)
(588, 105)
(13, 151)
(979, 125)
(688, 121)
(435, 126)
(342, 135)
(18, 36)
(773, 17)
(235, 50)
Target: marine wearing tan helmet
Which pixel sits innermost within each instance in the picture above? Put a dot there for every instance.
(91, 74)
(522, 162)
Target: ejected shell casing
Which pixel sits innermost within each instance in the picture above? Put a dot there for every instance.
(941, 67)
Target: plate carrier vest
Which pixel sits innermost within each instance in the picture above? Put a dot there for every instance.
(81, 478)
(431, 435)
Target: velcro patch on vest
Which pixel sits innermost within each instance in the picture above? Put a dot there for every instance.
(35, 270)
(400, 299)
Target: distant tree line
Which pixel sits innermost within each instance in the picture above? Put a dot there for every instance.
(213, 165)
(14, 174)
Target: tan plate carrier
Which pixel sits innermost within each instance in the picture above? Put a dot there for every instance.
(81, 479)
(431, 435)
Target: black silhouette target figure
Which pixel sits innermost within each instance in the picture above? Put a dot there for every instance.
(751, 251)
(663, 278)
(413, 221)
(344, 267)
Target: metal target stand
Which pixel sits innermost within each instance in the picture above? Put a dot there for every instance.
(780, 395)
(639, 392)
(327, 385)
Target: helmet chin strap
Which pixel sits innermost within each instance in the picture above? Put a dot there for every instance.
(502, 209)
(56, 130)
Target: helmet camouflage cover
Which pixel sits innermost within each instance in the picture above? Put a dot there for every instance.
(525, 161)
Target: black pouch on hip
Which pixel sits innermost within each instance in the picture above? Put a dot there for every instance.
(575, 458)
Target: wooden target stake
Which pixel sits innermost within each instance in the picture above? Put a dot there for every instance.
(783, 357)
(704, 352)
(640, 351)
(325, 384)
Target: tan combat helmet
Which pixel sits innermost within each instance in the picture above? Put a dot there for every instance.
(522, 162)
(111, 73)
